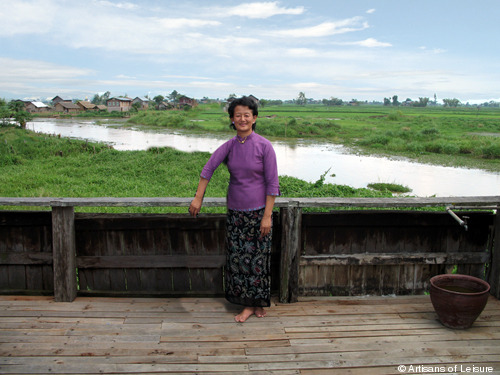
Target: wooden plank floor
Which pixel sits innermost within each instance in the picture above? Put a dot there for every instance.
(348, 335)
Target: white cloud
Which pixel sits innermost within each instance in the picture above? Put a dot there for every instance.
(101, 26)
(432, 50)
(26, 17)
(124, 76)
(181, 23)
(302, 52)
(325, 29)
(134, 34)
(306, 85)
(14, 69)
(186, 77)
(127, 6)
(262, 10)
(370, 42)
(200, 48)
(21, 76)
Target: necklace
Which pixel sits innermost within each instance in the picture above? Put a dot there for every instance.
(241, 140)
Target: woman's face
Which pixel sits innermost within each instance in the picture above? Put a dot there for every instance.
(243, 120)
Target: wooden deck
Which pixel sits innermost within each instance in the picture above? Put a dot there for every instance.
(338, 335)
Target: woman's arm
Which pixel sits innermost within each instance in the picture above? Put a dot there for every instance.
(206, 174)
(267, 219)
(195, 207)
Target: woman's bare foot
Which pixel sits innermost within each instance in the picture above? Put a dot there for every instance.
(245, 314)
(260, 312)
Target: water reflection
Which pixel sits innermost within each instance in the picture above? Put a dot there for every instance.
(306, 160)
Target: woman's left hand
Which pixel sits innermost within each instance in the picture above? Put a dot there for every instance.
(265, 226)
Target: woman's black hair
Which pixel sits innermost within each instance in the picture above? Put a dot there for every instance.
(245, 101)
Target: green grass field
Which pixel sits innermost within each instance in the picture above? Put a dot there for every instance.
(38, 165)
(464, 136)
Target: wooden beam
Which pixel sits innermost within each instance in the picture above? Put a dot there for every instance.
(151, 261)
(400, 202)
(27, 259)
(290, 252)
(372, 259)
(64, 254)
(494, 277)
(479, 201)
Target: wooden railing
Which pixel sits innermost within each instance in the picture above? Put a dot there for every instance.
(307, 263)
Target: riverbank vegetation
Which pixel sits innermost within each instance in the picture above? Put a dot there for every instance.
(39, 165)
(464, 136)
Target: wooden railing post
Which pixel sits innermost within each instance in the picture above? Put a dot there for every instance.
(64, 254)
(494, 277)
(290, 252)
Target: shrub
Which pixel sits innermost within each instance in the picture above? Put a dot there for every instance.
(398, 144)
(491, 152)
(450, 149)
(394, 188)
(379, 139)
(416, 147)
(432, 131)
(395, 116)
(434, 147)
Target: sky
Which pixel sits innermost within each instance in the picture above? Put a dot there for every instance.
(359, 49)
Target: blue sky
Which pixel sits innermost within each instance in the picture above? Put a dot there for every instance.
(364, 50)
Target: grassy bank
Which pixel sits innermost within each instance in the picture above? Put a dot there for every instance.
(467, 137)
(37, 165)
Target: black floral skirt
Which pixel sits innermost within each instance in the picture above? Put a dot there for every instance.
(248, 264)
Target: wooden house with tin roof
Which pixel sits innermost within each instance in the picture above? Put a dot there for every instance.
(66, 107)
(119, 104)
(86, 105)
(36, 107)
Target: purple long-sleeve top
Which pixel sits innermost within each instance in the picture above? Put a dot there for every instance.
(253, 171)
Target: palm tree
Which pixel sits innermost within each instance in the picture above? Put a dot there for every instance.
(18, 112)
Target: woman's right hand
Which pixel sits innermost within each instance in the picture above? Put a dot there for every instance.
(195, 207)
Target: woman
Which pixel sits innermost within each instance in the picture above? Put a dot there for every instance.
(253, 187)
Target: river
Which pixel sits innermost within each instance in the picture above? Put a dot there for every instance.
(303, 159)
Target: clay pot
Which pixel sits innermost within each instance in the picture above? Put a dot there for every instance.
(458, 299)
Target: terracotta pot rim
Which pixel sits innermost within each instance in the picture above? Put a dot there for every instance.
(460, 276)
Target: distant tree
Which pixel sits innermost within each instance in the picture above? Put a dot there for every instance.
(332, 101)
(395, 102)
(4, 111)
(135, 107)
(101, 99)
(274, 102)
(174, 96)
(159, 98)
(387, 101)
(491, 103)
(451, 102)
(105, 97)
(18, 112)
(301, 99)
(422, 102)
